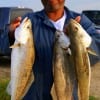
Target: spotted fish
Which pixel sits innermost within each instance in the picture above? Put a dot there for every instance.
(22, 60)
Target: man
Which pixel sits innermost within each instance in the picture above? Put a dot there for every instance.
(54, 16)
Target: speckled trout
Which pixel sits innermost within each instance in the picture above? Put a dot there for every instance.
(22, 60)
(80, 41)
(63, 68)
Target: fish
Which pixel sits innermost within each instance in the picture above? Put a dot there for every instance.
(22, 61)
(63, 68)
(80, 42)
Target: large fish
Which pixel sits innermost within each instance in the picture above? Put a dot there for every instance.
(63, 68)
(22, 60)
(80, 41)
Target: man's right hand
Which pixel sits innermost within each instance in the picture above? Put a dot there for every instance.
(14, 24)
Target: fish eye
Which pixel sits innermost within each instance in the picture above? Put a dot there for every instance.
(58, 36)
(76, 29)
(28, 27)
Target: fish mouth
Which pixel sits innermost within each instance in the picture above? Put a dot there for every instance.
(26, 19)
(26, 22)
(74, 22)
(74, 25)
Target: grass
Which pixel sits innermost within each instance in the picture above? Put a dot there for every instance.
(93, 98)
(3, 93)
(5, 96)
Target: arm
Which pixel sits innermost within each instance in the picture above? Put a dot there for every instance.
(7, 36)
(4, 42)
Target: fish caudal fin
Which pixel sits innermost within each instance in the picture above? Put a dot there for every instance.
(8, 89)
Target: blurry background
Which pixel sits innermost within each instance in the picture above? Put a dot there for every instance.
(76, 5)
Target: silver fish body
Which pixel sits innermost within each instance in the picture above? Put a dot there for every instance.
(63, 70)
(22, 60)
(79, 42)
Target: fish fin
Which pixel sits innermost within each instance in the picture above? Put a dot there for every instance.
(15, 45)
(69, 51)
(30, 81)
(8, 89)
(53, 92)
(91, 51)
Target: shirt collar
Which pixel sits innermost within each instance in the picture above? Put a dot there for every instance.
(46, 20)
(59, 23)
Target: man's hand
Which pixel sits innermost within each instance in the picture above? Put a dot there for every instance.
(14, 24)
(12, 28)
(86, 38)
(78, 18)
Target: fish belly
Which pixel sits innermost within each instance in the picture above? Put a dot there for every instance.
(22, 60)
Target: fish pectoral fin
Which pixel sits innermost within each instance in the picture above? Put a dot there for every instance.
(91, 51)
(8, 89)
(15, 45)
(30, 81)
(53, 92)
(69, 51)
